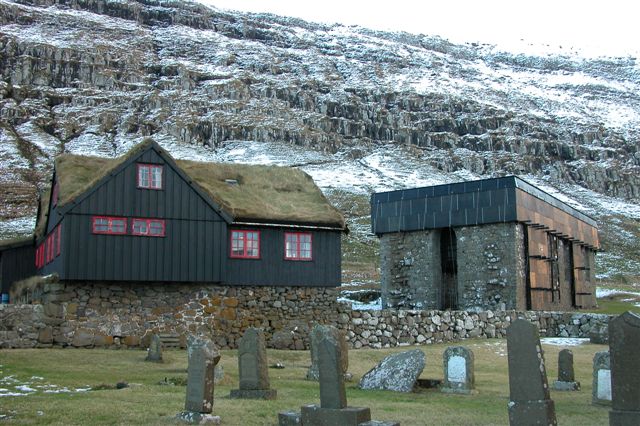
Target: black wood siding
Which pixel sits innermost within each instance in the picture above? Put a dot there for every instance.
(273, 269)
(16, 264)
(191, 250)
(456, 204)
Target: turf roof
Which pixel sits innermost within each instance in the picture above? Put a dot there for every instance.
(245, 192)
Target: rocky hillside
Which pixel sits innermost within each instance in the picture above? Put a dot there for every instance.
(95, 76)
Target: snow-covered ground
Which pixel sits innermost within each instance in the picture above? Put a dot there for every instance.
(11, 385)
(564, 341)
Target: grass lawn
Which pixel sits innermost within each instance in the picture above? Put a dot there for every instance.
(148, 402)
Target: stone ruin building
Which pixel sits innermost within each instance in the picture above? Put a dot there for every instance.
(497, 243)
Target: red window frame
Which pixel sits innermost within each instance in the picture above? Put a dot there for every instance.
(298, 251)
(148, 225)
(50, 238)
(150, 184)
(109, 230)
(59, 233)
(39, 251)
(243, 240)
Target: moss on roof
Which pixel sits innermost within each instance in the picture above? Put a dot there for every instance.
(258, 193)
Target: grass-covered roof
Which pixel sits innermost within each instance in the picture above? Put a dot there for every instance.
(245, 192)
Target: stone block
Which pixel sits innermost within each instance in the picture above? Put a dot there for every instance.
(132, 341)
(195, 418)
(289, 418)
(230, 302)
(566, 386)
(83, 338)
(314, 415)
(45, 335)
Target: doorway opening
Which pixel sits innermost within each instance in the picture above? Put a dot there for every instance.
(449, 265)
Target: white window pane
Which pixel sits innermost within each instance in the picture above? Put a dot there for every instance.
(156, 176)
(143, 176)
(156, 228)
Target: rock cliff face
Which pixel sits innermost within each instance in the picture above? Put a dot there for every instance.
(92, 76)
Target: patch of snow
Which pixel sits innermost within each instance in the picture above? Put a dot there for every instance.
(564, 341)
(21, 226)
(605, 292)
(375, 305)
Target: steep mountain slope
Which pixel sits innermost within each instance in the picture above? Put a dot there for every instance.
(366, 109)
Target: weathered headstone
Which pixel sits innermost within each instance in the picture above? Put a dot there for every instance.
(333, 409)
(601, 379)
(624, 343)
(313, 373)
(397, 372)
(566, 377)
(154, 353)
(202, 359)
(529, 401)
(458, 370)
(253, 368)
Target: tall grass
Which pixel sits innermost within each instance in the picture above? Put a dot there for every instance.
(148, 402)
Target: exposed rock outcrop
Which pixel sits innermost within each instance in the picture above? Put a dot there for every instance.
(95, 75)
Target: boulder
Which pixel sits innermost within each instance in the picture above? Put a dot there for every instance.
(397, 372)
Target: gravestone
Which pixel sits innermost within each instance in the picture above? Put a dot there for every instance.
(624, 343)
(202, 358)
(529, 401)
(154, 353)
(313, 371)
(333, 409)
(601, 379)
(566, 377)
(397, 372)
(253, 368)
(458, 370)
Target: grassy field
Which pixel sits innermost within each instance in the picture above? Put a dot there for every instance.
(147, 401)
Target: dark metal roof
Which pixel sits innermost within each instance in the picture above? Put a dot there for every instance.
(457, 204)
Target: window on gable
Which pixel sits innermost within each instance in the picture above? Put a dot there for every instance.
(109, 225)
(297, 246)
(245, 244)
(149, 176)
(148, 227)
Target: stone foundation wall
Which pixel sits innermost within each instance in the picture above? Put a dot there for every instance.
(104, 315)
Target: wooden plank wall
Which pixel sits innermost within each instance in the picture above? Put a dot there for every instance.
(539, 269)
(535, 211)
(582, 271)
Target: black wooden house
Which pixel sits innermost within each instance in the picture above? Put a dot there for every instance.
(146, 217)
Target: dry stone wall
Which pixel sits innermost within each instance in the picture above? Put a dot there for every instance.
(490, 268)
(107, 315)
